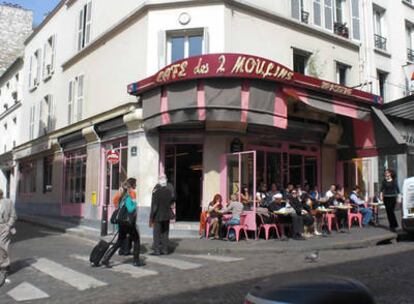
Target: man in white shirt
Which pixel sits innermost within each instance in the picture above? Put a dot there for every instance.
(331, 192)
(360, 204)
(7, 219)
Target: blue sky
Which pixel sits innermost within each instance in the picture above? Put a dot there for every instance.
(39, 7)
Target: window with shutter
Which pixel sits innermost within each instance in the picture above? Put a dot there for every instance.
(30, 71)
(53, 55)
(356, 31)
(84, 28)
(80, 29)
(317, 20)
(328, 14)
(50, 113)
(38, 65)
(32, 122)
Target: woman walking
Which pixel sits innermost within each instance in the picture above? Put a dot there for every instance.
(389, 195)
(125, 229)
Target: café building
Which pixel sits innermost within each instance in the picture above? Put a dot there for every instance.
(223, 122)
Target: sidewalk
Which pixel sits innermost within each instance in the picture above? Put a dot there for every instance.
(357, 238)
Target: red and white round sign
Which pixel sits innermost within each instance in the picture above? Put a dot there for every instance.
(112, 156)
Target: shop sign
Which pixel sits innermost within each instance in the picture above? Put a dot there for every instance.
(112, 156)
(231, 65)
(236, 146)
(406, 131)
(134, 151)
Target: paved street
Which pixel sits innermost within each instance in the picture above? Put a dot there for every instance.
(54, 268)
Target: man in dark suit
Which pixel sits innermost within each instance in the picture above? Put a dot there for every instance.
(163, 199)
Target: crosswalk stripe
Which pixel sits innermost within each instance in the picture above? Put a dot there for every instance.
(217, 258)
(76, 279)
(135, 272)
(179, 264)
(26, 292)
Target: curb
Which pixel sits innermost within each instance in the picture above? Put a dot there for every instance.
(94, 234)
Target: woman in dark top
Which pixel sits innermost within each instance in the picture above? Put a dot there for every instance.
(214, 215)
(389, 194)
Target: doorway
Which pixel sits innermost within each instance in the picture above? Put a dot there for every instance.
(8, 180)
(184, 170)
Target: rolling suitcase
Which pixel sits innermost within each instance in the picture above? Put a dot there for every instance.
(99, 251)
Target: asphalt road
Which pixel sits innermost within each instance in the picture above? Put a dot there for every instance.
(53, 267)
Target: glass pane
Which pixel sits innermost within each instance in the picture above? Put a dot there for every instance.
(247, 178)
(170, 164)
(232, 175)
(260, 168)
(124, 164)
(177, 48)
(295, 169)
(311, 171)
(115, 177)
(195, 45)
(274, 166)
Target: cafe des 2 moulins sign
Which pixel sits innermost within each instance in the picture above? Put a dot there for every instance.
(236, 66)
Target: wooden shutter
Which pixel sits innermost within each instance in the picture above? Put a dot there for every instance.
(328, 15)
(44, 60)
(30, 71)
(39, 64)
(52, 57)
(70, 101)
(295, 6)
(356, 27)
(317, 19)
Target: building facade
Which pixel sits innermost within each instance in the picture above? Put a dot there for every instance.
(299, 124)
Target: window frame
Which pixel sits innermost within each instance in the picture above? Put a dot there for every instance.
(84, 26)
(48, 173)
(76, 100)
(345, 67)
(384, 89)
(304, 54)
(185, 34)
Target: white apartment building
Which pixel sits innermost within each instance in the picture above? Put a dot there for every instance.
(76, 107)
(10, 115)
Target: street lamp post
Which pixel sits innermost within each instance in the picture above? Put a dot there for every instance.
(104, 220)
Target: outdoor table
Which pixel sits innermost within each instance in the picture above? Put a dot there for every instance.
(343, 207)
(375, 212)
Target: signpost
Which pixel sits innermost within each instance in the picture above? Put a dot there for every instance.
(112, 157)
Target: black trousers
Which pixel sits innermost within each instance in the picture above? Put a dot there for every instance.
(160, 233)
(389, 203)
(297, 224)
(122, 236)
(341, 217)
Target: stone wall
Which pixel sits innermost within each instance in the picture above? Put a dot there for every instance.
(15, 26)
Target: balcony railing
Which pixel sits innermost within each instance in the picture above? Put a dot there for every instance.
(304, 16)
(341, 29)
(410, 55)
(380, 42)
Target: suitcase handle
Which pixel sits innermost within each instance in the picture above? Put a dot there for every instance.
(113, 238)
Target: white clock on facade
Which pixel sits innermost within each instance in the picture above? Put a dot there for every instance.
(184, 18)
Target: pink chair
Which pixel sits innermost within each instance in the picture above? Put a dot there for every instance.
(353, 216)
(329, 218)
(237, 228)
(266, 228)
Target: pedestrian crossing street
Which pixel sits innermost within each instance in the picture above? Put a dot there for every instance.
(85, 280)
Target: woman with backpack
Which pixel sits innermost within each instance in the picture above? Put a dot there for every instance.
(128, 227)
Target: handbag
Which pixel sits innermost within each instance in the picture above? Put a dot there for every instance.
(121, 216)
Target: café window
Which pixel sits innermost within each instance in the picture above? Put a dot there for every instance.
(47, 174)
(300, 61)
(75, 177)
(27, 181)
(183, 44)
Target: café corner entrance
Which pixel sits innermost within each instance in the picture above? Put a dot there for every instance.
(183, 165)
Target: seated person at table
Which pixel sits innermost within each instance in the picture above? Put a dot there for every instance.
(277, 203)
(360, 206)
(314, 193)
(288, 191)
(341, 214)
(214, 215)
(245, 197)
(300, 217)
(331, 192)
(262, 196)
(236, 209)
(273, 191)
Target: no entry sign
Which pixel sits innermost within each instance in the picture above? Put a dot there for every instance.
(112, 156)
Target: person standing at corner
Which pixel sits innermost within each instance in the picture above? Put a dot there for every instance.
(163, 199)
(389, 195)
(7, 219)
(127, 229)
